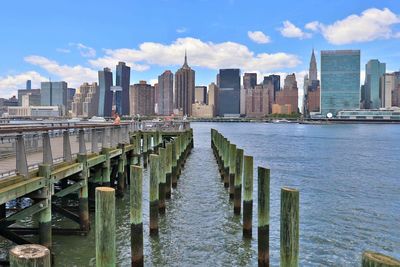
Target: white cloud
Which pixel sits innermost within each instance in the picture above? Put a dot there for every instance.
(153, 81)
(371, 25)
(181, 30)
(259, 37)
(313, 26)
(84, 50)
(200, 54)
(292, 31)
(11, 83)
(74, 75)
(63, 50)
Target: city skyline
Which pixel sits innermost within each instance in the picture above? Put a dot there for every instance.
(279, 44)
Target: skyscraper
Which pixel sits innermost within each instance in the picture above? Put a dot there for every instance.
(166, 93)
(34, 96)
(257, 101)
(311, 88)
(184, 88)
(249, 80)
(105, 93)
(312, 71)
(229, 92)
(54, 94)
(86, 101)
(340, 80)
(373, 72)
(28, 85)
(200, 94)
(388, 86)
(122, 78)
(212, 98)
(289, 95)
(142, 99)
(275, 80)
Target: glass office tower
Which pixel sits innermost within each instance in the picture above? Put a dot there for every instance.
(340, 80)
(229, 92)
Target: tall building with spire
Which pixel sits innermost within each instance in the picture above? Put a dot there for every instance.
(311, 101)
(184, 88)
(312, 72)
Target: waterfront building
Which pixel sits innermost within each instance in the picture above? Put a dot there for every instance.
(165, 94)
(122, 78)
(212, 98)
(34, 111)
(275, 81)
(33, 95)
(184, 88)
(229, 92)
(289, 94)
(105, 93)
(86, 101)
(340, 80)
(370, 114)
(387, 87)
(70, 99)
(249, 80)
(257, 102)
(282, 109)
(201, 110)
(374, 70)
(200, 94)
(54, 94)
(142, 99)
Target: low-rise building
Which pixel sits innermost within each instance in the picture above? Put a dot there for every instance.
(200, 110)
(35, 111)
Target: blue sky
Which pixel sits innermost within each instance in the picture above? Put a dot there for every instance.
(72, 40)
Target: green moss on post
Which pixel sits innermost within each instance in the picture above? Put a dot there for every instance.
(45, 233)
(226, 163)
(289, 227)
(174, 174)
(136, 218)
(248, 196)
(238, 182)
(30, 255)
(162, 180)
(83, 195)
(374, 259)
(232, 170)
(105, 227)
(263, 216)
(154, 173)
(168, 175)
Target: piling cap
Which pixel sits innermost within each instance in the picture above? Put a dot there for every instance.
(105, 189)
(30, 251)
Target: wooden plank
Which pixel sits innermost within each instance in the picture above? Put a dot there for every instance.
(70, 189)
(21, 188)
(67, 171)
(96, 160)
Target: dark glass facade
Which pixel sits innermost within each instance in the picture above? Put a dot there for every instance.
(105, 93)
(122, 78)
(229, 92)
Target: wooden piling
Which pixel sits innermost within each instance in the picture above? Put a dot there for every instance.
(84, 221)
(145, 159)
(168, 171)
(45, 233)
(263, 216)
(30, 255)
(289, 236)
(226, 163)
(232, 170)
(174, 178)
(154, 169)
(162, 180)
(248, 196)
(238, 182)
(136, 218)
(374, 259)
(105, 227)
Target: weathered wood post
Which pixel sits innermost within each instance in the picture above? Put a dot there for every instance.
(168, 171)
(226, 163)
(30, 255)
(121, 171)
(263, 216)
(154, 170)
(45, 233)
(248, 196)
(84, 194)
(232, 169)
(161, 179)
(289, 227)
(374, 259)
(136, 191)
(105, 227)
(238, 182)
(145, 160)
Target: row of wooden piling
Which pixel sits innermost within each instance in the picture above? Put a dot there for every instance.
(165, 170)
(237, 169)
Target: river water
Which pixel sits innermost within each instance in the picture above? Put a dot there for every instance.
(349, 182)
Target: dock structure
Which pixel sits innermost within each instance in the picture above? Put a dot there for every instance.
(70, 162)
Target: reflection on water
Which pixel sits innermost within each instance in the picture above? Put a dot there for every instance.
(349, 199)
